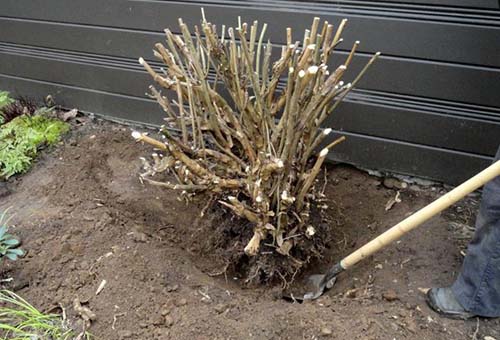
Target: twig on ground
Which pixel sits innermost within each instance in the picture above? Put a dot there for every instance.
(101, 287)
(115, 317)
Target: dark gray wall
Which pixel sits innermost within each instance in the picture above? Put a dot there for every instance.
(429, 107)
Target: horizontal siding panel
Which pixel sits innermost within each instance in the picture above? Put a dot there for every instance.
(416, 126)
(434, 163)
(475, 41)
(477, 85)
(108, 78)
(111, 105)
(446, 81)
(89, 39)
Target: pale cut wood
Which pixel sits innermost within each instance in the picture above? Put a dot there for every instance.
(422, 215)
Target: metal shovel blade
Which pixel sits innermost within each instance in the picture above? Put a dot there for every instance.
(315, 285)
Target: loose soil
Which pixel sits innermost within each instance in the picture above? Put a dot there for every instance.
(84, 217)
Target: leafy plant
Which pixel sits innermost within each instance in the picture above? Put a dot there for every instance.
(245, 128)
(9, 245)
(4, 101)
(21, 138)
(19, 320)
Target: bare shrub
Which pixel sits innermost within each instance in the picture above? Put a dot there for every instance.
(233, 129)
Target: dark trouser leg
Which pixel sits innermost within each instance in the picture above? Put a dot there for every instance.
(478, 286)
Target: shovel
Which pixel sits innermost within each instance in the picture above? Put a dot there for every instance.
(318, 283)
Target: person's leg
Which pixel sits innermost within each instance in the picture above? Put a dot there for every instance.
(477, 288)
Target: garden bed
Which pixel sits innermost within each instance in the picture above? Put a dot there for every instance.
(84, 217)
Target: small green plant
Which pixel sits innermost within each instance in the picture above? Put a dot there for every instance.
(21, 138)
(19, 320)
(5, 100)
(9, 245)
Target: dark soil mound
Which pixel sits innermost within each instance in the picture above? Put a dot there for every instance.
(84, 217)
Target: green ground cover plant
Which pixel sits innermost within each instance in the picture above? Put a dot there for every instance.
(21, 138)
(5, 100)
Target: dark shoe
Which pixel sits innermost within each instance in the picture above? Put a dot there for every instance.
(443, 301)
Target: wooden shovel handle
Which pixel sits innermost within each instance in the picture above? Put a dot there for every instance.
(422, 215)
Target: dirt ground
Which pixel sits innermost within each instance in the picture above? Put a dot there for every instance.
(84, 217)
